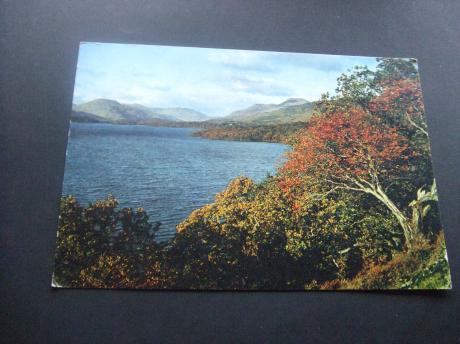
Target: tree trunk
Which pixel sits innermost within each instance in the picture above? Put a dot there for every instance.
(403, 220)
(419, 209)
(410, 226)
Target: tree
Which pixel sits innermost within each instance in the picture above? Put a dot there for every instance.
(239, 241)
(102, 246)
(393, 69)
(357, 87)
(352, 151)
(401, 103)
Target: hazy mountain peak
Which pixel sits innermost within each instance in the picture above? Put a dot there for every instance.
(293, 101)
(291, 110)
(112, 110)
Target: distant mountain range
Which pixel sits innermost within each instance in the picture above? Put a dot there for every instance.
(291, 110)
(106, 110)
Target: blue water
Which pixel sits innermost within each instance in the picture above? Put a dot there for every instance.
(167, 171)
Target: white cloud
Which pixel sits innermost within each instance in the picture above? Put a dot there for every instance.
(240, 59)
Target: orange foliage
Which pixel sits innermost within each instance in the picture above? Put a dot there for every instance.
(401, 102)
(345, 146)
(405, 92)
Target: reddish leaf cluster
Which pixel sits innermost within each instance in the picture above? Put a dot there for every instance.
(343, 146)
(400, 96)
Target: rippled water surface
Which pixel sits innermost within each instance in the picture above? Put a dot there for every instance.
(165, 170)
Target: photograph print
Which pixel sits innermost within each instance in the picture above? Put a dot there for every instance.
(219, 169)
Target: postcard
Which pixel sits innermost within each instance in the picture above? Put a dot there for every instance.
(220, 169)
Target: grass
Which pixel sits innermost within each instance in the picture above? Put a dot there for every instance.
(424, 266)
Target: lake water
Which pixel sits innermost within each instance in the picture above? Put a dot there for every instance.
(167, 171)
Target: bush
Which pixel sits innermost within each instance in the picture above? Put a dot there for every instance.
(101, 246)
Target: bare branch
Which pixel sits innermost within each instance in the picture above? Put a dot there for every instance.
(411, 121)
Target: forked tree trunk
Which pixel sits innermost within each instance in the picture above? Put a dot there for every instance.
(404, 221)
(410, 226)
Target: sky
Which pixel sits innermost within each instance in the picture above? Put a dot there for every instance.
(212, 81)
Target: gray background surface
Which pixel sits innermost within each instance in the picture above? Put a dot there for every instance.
(38, 52)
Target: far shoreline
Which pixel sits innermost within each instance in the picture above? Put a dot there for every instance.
(231, 132)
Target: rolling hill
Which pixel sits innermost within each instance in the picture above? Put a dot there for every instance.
(106, 110)
(291, 110)
(112, 111)
(80, 116)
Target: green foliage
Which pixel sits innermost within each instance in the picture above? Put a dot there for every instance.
(238, 241)
(391, 69)
(360, 85)
(101, 246)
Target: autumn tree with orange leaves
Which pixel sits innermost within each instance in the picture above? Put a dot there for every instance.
(352, 151)
(367, 149)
